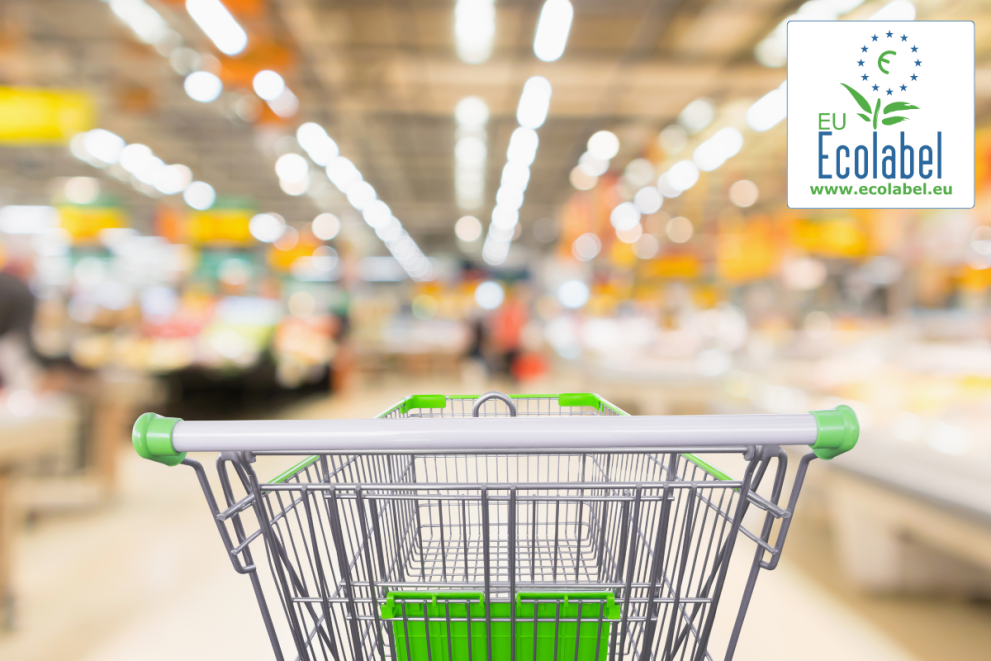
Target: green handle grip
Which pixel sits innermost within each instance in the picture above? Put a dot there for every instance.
(432, 596)
(838, 431)
(152, 439)
(609, 597)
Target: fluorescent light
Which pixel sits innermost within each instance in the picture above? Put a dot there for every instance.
(534, 102)
(468, 229)
(376, 213)
(82, 190)
(768, 110)
(697, 115)
(474, 29)
(218, 24)
(712, 153)
(147, 23)
(552, 30)
(624, 216)
(603, 145)
(515, 176)
(683, 175)
(509, 197)
(471, 112)
(292, 167)
(171, 179)
(268, 85)
(199, 195)
(286, 105)
(573, 294)
(505, 217)
(104, 145)
(320, 146)
(470, 150)
(28, 219)
(361, 194)
(326, 226)
(149, 169)
(134, 157)
(593, 166)
(203, 86)
(522, 146)
(343, 173)
(648, 200)
(266, 227)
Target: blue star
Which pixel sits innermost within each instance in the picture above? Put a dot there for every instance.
(904, 38)
(889, 35)
(860, 63)
(915, 48)
(903, 88)
(874, 88)
(918, 63)
(863, 49)
(864, 77)
(914, 76)
(874, 38)
(889, 91)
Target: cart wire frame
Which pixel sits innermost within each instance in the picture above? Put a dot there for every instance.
(345, 533)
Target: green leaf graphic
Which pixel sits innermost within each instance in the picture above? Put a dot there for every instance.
(861, 101)
(888, 121)
(877, 109)
(899, 105)
(864, 117)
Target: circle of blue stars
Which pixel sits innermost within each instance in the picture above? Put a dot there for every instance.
(901, 38)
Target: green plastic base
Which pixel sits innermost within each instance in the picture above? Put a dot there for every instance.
(449, 626)
(838, 431)
(152, 439)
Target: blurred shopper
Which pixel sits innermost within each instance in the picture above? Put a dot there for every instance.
(507, 329)
(342, 364)
(475, 369)
(20, 367)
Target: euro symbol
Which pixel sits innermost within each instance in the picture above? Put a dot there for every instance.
(881, 61)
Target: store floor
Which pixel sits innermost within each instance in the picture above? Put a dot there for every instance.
(145, 579)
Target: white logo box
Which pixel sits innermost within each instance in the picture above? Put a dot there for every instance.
(936, 107)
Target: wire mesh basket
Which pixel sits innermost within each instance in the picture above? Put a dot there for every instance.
(553, 527)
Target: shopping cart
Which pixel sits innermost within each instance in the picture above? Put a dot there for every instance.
(554, 527)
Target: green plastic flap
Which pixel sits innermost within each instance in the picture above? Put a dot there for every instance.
(838, 431)
(579, 399)
(453, 627)
(152, 438)
(424, 402)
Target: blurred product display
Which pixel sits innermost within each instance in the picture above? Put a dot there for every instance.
(249, 210)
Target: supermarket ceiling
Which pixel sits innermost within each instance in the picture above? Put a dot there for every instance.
(383, 77)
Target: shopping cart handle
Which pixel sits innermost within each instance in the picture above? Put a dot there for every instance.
(828, 433)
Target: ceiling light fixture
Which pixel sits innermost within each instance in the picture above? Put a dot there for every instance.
(218, 24)
(535, 101)
(474, 29)
(552, 30)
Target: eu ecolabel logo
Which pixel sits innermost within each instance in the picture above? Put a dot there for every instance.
(880, 114)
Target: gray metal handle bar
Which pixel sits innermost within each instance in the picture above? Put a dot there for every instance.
(830, 433)
(493, 394)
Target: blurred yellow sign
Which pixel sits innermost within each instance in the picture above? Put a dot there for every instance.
(836, 237)
(41, 116)
(678, 266)
(747, 255)
(223, 225)
(83, 223)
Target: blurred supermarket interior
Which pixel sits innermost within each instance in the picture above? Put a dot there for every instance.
(313, 208)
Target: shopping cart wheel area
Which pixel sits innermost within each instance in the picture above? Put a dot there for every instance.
(501, 527)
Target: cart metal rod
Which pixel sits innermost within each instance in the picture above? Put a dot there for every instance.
(503, 434)
(464, 451)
